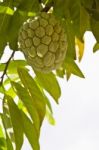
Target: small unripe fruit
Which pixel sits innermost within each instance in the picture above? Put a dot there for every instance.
(43, 42)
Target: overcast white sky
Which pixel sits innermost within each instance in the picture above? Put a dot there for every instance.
(77, 115)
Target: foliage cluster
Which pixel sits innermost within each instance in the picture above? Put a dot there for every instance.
(24, 100)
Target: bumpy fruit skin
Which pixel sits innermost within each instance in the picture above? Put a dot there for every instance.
(43, 42)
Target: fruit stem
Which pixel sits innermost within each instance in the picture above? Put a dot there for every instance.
(47, 7)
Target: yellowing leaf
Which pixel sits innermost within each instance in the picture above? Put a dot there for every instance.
(79, 48)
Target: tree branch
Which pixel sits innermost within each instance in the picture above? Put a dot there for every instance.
(6, 67)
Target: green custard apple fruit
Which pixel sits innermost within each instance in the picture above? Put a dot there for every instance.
(43, 42)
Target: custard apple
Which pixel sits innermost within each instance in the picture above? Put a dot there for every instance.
(43, 42)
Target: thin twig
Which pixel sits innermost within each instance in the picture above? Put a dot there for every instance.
(6, 67)
(47, 7)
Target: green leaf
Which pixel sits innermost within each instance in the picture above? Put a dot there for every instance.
(50, 84)
(16, 3)
(95, 28)
(68, 74)
(6, 10)
(71, 67)
(60, 72)
(34, 92)
(5, 16)
(50, 117)
(29, 104)
(2, 142)
(74, 9)
(30, 5)
(71, 52)
(88, 3)
(2, 67)
(2, 138)
(84, 21)
(48, 104)
(6, 116)
(46, 98)
(16, 122)
(1, 89)
(1, 132)
(8, 141)
(12, 77)
(30, 132)
(2, 44)
(11, 92)
(16, 21)
(14, 64)
(60, 9)
(96, 47)
(4, 19)
(5, 124)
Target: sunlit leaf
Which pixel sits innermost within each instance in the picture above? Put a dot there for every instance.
(28, 102)
(14, 64)
(50, 84)
(1, 89)
(34, 91)
(79, 48)
(10, 92)
(50, 117)
(13, 78)
(6, 10)
(2, 138)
